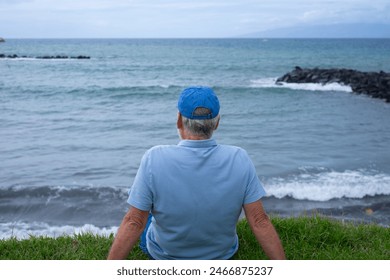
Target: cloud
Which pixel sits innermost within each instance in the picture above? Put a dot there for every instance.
(177, 18)
(348, 14)
(9, 2)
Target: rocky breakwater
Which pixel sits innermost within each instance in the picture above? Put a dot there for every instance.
(45, 56)
(374, 84)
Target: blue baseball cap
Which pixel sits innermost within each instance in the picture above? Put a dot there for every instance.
(195, 97)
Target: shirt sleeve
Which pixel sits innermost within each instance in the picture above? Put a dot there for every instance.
(140, 193)
(254, 189)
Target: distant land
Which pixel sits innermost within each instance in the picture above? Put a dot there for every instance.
(352, 30)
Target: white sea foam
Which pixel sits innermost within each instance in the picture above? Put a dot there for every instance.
(271, 83)
(22, 230)
(329, 185)
(19, 58)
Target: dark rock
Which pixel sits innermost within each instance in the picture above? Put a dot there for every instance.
(80, 57)
(48, 56)
(374, 84)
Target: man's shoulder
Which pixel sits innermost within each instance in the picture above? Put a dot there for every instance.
(232, 148)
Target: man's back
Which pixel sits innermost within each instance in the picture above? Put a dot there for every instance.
(196, 191)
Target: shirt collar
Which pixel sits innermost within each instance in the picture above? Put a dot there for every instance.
(198, 143)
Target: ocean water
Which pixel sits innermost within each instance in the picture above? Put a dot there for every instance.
(72, 132)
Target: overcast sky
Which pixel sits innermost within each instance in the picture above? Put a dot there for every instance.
(176, 18)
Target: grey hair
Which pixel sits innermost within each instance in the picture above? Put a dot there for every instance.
(203, 128)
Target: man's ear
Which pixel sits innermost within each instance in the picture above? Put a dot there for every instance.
(216, 126)
(179, 122)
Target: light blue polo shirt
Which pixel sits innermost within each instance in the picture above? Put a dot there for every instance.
(196, 191)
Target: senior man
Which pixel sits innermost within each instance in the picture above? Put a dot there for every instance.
(186, 199)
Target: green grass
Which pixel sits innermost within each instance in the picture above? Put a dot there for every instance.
(318, 238)
(303, 238)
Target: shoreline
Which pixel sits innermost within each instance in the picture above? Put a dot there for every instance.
(366, 211)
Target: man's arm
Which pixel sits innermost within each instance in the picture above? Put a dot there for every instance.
(128, 233)
(264, 231)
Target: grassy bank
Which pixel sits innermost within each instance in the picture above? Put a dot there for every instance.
(305, 238)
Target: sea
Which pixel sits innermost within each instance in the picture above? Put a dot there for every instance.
(73, 131)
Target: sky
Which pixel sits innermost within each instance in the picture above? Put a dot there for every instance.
(177, 18)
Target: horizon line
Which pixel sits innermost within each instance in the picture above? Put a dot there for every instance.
(173, 38)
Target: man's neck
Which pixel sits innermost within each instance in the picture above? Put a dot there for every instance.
(186, 136)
